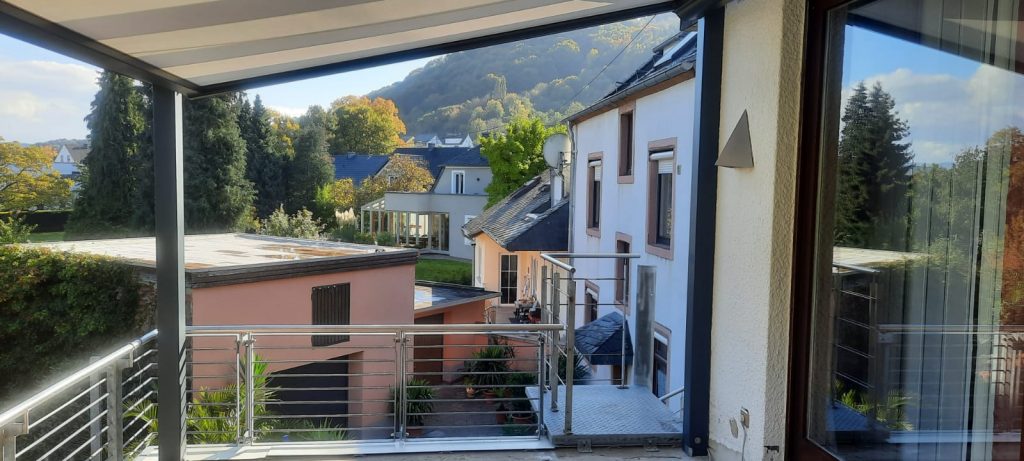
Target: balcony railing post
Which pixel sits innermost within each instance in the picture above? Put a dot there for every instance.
(540, 383)
(623, 384)
(239, 344)
(553, 360)
(9, 437)
(250, 388)
(570, 350)
(401, 387)
(94, 411)
(115, 409)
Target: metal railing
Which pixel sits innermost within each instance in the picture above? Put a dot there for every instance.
(90, 414)
(272, 384)
(560, 282)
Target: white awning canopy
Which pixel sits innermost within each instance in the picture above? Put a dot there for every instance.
(206, 46)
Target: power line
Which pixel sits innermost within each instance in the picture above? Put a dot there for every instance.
(582, 89)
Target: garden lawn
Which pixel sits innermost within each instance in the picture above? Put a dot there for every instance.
(46, 237)
(444, 270)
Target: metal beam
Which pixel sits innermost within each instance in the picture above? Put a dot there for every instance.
(170, 271)
(701, 245)
(38, 31)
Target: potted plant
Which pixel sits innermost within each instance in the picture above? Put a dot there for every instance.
(417, 404)
(488, 368)
(501, 415)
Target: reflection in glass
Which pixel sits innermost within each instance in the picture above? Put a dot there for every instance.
(918, 344)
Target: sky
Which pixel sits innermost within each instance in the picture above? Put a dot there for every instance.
(949, 103)
(45, 95)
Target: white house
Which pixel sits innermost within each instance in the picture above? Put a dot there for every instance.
(68, 160)
(631, 194)
(433, 220)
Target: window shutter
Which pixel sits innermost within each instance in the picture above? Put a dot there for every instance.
(664, 166)
(332, 305)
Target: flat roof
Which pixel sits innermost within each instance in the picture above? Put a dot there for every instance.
(219, 259)
(433, 296)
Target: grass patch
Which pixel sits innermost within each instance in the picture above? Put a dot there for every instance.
(46, 237)
(444, 270)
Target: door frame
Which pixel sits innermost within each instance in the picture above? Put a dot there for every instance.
(805, 229)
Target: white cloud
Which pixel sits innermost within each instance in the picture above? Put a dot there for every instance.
(289, 111)
(44, 100)
(947, 113)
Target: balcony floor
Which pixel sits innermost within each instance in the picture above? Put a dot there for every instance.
(608, 416)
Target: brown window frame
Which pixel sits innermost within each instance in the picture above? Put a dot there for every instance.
(594, 200)
(591, 302)
(664, 332)
(330, 305)
(654, 247)
(627, 134)
(622, 275)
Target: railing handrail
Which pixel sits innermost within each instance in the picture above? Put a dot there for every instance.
(553, 258)
(900, 328)
(674, 393)
(21, 410)
(482, 328)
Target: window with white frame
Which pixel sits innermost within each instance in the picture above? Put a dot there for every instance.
(459, 182)
(660, 206)
(509, 278)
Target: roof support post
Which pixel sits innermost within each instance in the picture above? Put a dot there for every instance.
(170, 270)
(701, 244)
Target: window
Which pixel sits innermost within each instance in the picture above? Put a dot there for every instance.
(458, 182)
(594, 196)
(659, 376)
(622, 246)
(331, 306)
(590, 305)
(660, 201)
(915, 312)
(509, 278)
(626, 145)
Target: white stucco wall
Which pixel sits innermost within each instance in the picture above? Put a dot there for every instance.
(665, 114)
(477, 179)
(754, 231)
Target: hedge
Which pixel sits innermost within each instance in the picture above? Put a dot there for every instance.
(57, 309)
(44, 220)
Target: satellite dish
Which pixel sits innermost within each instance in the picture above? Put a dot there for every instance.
(555, 149)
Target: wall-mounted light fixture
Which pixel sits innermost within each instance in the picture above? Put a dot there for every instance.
(738, 151)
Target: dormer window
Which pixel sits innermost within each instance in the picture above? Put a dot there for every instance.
(459, 182)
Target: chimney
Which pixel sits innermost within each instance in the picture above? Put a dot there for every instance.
(556, 187)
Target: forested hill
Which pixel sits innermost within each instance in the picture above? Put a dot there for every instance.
(477, 90)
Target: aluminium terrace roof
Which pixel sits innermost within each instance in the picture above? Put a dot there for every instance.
(206, 46)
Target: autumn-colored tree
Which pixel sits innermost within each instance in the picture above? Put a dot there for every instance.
(28, 180)
(339, 195)
(285, 131)
(401, 174)
(515, 156)
(366, 126)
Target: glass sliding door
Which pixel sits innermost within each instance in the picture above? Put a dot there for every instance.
(917, 329)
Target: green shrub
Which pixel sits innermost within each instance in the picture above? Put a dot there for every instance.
(14, 230)
(345, 232)
(57, 308)
(418, 401)
(301, 225)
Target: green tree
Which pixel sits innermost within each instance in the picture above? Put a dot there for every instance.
(515, 156)
(401, 174)
(143, 208)
(265, 165)
(107, 197)
(873, 172)
(27, 178)
(218, 197)
(366, 126)
(311, 168)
